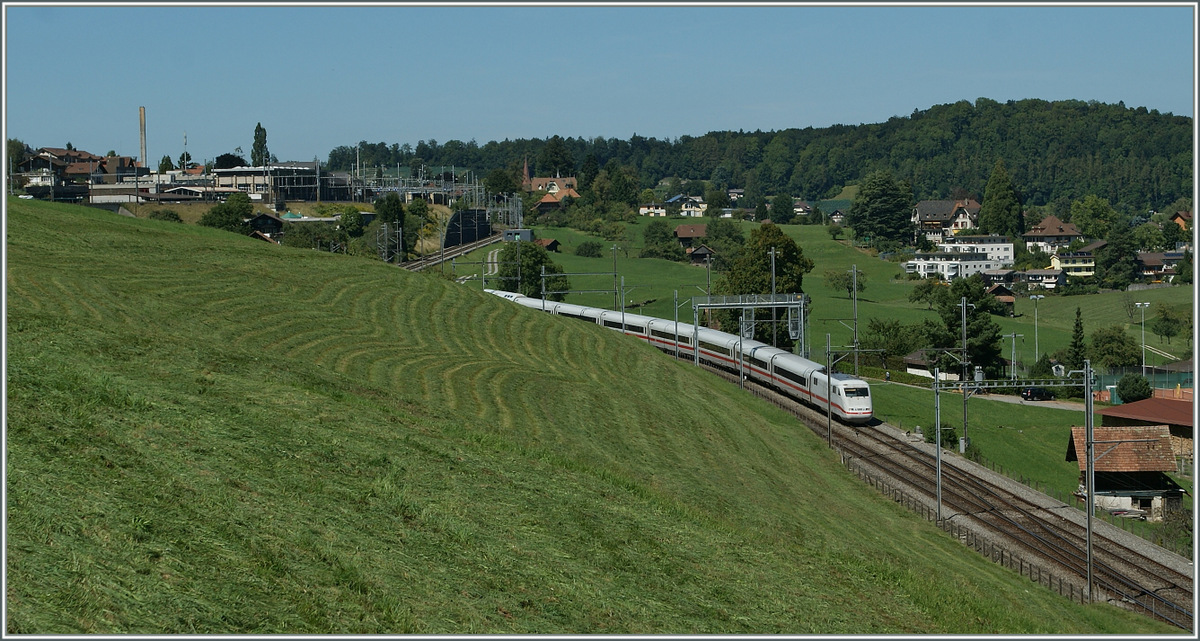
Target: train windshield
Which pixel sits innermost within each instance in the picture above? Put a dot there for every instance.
(852, 392)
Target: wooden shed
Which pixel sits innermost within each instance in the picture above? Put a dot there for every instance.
(1130, 465)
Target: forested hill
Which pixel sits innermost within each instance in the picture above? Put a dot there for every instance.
(1054, 150)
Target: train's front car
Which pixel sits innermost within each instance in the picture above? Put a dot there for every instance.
(856, 397)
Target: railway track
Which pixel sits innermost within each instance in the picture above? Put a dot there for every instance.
(1027, 528)
(449, 254)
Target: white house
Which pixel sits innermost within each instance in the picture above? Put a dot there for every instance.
(940, 219)
(1050, 235)
(950, 265)
(996, 247)
(652, 209)
(691, 206)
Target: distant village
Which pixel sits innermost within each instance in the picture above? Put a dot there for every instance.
(74, 175)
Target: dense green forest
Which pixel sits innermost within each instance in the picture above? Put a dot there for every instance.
(1055, 151)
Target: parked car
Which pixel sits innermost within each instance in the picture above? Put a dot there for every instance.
(1037, 394)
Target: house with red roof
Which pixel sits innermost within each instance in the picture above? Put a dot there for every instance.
(1182, 218)
(940, 219)
(1130, 466)
(687, 235)
(1050, 235)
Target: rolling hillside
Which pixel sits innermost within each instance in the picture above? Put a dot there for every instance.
(210, 434)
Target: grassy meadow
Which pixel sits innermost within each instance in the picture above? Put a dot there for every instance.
(208, 434)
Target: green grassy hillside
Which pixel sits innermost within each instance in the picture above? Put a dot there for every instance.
(212, 434)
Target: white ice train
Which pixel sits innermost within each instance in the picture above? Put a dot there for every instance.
(792, 375)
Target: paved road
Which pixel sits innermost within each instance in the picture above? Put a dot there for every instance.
(1074, 406)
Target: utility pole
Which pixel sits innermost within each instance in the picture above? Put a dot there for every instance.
(962, 445)
(1012, 368)
(854, 291)
(616, 285)
(828, 391)
(773, 325)
(1143, 306)
(937, 425)
(1037, 351)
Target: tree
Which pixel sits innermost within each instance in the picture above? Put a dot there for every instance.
(949, 436)
(929, 291)
(16, 150)
(717, 199)
(782, 209)
(390, 209)
(1167, 324)
(882, 209)
(500, 181)
(1170, 235)
(622, 186)
(185, 161)
(1093, 216)
(1183, 269)
(1133, 388)
(1149, 236)
(589, 249)
(761, 212)
(835, 231)
(229, 161)
(725, 238)
(165, 165)
(588, 172)
(895, 339)
(555, 159)
(419, 210)
(1114, 347)
(1077, 350)
(520, 271)
(666, 251)
(315, 235)
(1001, 209)
(1042, 368)
(352, 222)
(750, 271)
(230, 215)
(1116, 265)
(659, 242)
(658, 231)
(843, 279)
(983, 334)
(258, 151)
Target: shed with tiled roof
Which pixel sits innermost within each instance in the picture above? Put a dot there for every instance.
(1130, 465)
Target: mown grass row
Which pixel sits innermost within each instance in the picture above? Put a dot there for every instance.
(209, 434)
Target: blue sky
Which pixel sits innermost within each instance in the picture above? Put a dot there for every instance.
(321, 76)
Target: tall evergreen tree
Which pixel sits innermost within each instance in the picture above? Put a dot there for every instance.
(1077, 350)
(882, 210)
(555, 159)
(258, 151)
(588, 172)
(1001, 209)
